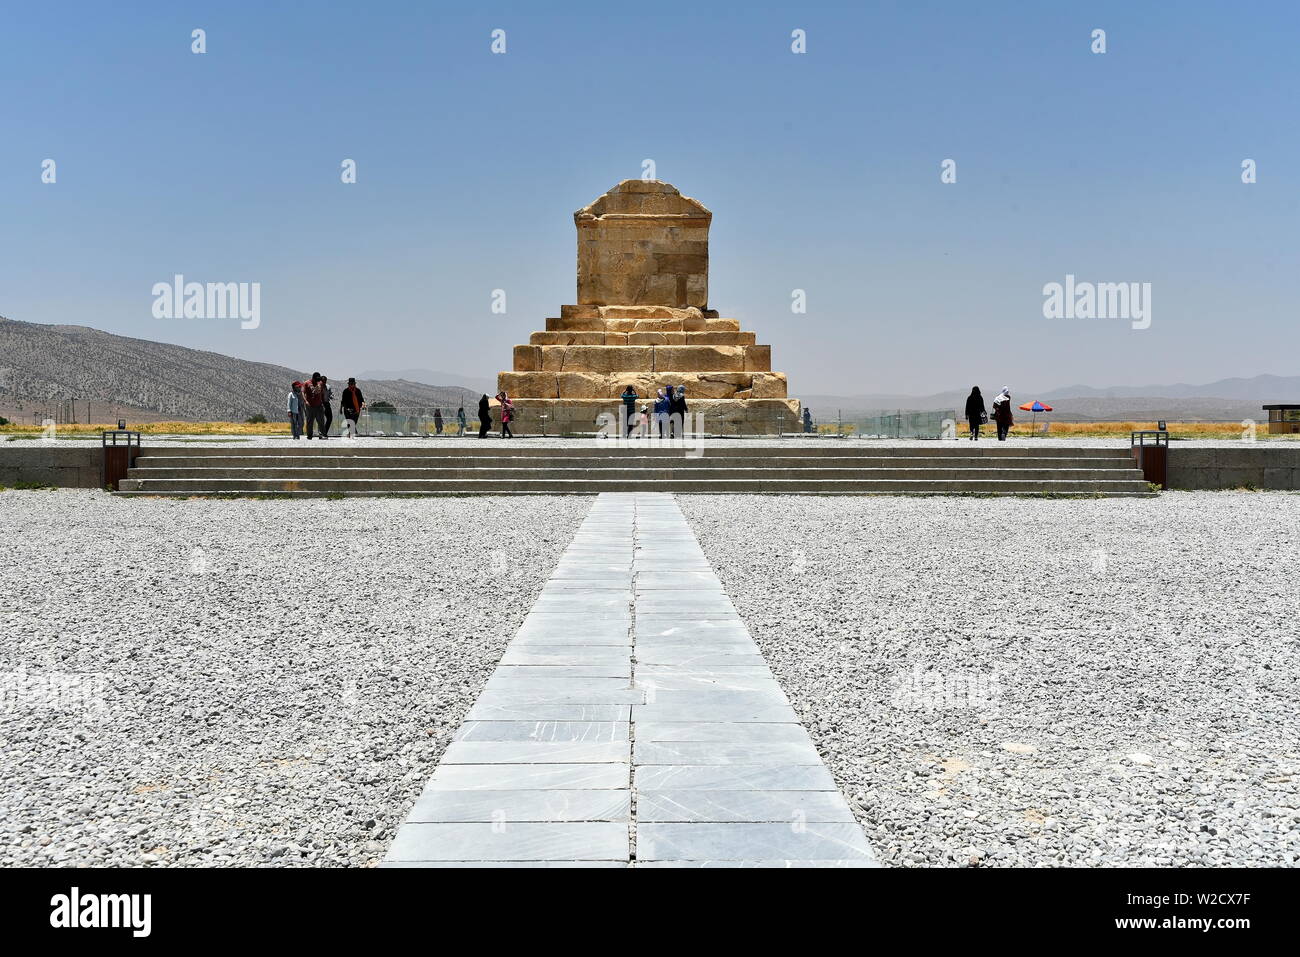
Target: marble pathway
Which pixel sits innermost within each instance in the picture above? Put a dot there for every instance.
(632, 721)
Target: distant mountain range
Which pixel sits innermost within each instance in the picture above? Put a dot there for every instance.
(430, 377)
(1227, 400)
(58, 362)
(53, 362)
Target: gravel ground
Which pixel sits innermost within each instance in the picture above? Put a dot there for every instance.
(539, 441)
(1036, 682)
(209, 682)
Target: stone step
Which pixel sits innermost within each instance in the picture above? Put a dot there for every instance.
(548, 486)
(650, 358)
(630, 324)
(613, 461)
(857, 448)
(693, 338)
(623, 473)
(548, 384)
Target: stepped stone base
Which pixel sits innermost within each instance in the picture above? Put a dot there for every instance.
(599, 385)
(504, 467)
(642, 319)
(725, 416)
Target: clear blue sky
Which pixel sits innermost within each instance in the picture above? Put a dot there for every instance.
(822, 171)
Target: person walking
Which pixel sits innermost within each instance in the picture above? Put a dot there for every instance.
(807, 419)
(351, 405)
(976, 414)
(677, 411)
(484, 417)
(629, 398)
(1002, 413)
(662, 403)
(314, 394)
(328, 398)
(295, 410)
(460, 421)
(437, 421)
(507, 414)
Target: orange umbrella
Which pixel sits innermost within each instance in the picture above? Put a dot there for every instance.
(1035, 407)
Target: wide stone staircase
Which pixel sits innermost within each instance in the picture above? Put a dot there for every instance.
(838, 468)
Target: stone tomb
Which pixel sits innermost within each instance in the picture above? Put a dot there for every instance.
(642, 319)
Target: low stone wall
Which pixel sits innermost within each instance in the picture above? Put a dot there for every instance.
(1258, 465)
(63, 465)
(1255, 465)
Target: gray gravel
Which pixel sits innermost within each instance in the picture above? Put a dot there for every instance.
(1036, 682)
(210, 682)
(493, 442)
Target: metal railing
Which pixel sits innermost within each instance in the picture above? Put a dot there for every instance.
(901, 424)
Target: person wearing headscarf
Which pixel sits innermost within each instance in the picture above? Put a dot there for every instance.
(437, 421)
(327, 409)
(976, 414)
(677, 410)
(460, 420)
(662, 402)
(507, 414)
(1002, 413)
(484, 417)
(629, 398)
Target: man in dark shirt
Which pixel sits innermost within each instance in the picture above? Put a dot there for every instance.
(351, 406)
(313, 394)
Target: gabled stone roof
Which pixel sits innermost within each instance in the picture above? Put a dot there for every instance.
(637, 198)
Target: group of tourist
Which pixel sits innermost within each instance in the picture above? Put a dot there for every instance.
(438, 421)
(311, 402)
(666, 419)
(977, 414)
(485, 415)
(310, 409)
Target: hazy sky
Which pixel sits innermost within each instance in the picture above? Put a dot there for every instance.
(822, 171)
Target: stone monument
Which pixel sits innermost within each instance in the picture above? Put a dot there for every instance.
(643, 319)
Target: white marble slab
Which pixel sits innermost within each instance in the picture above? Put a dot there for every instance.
(633, 639)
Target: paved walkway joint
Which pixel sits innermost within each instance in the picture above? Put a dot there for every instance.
(631, 722)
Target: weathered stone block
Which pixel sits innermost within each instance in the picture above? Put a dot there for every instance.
(709, 385)
(647, 312)
(575, 324)
(527, 358)
(657, 338)
(705, 324)
(567, 338)
(540, 385)
(719, 338)
(646, 325)
(758, 359)
(582, 385)
(769, 385)
(603, 359)
(699, 358)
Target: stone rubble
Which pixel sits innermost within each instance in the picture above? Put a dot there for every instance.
(209, 682)
(1036, 682)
